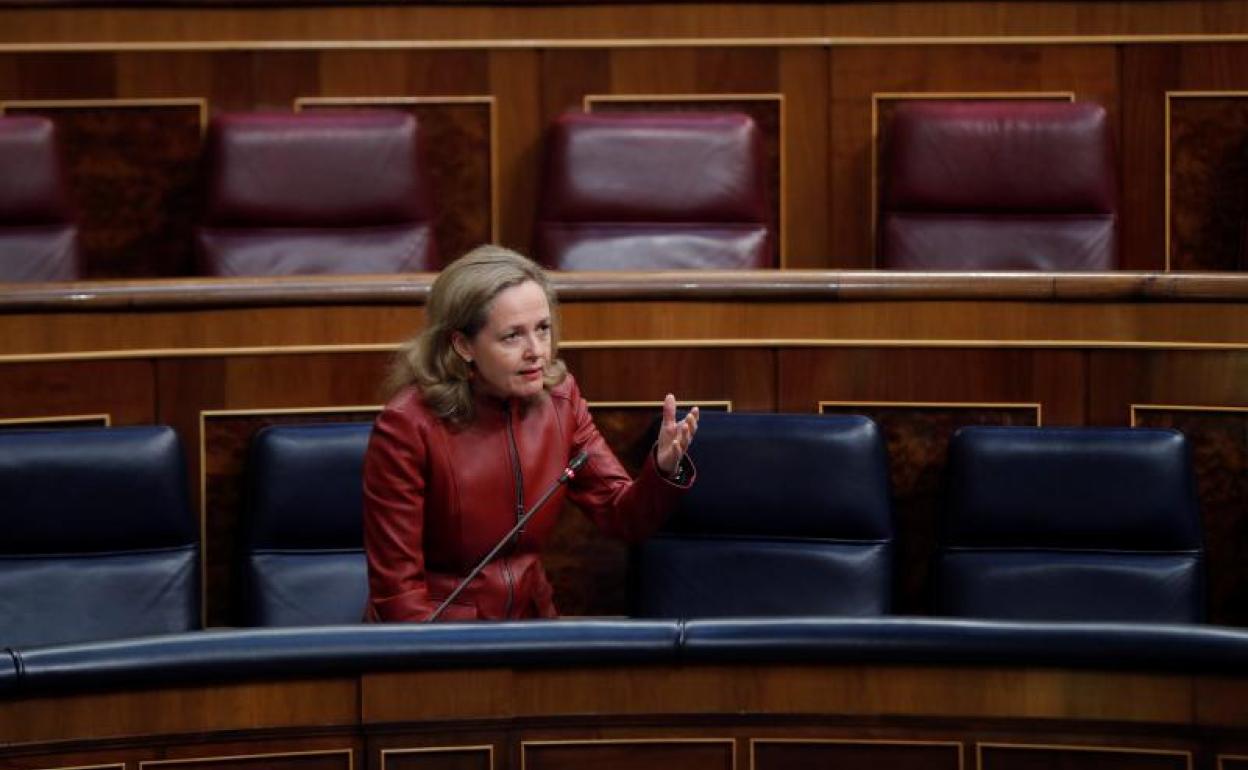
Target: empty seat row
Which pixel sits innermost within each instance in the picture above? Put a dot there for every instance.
(966, 185)
(791, 517)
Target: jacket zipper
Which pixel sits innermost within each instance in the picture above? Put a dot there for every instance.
(518, 480)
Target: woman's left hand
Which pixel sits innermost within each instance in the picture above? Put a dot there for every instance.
(674, 437)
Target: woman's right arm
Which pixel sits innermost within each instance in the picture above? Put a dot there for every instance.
(394, 516)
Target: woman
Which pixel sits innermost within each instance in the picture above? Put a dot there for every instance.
(483, 419)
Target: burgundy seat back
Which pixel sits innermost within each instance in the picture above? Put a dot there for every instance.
(646, 191)
(38, 234)
(329, 192)
(1001, 185)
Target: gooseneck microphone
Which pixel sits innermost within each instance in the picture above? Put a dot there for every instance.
(569, 472)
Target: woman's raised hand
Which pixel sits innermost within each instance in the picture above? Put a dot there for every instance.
(674, 437)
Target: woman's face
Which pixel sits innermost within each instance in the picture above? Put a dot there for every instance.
(511, 351)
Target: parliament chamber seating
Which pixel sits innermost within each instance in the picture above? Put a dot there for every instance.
(998, 185)
(790, 516)
(1071, 524)
(304, 552)
(654, 191)
(327, 192)
(38, 232)
(99, 541)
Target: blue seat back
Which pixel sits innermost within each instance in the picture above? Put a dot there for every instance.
(1094, 524)
(98, 538)
(304, 556)
(790, 516)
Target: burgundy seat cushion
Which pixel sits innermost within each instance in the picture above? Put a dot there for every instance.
(38, 235)
(636, 191)
(330, 192)
(1000, 185)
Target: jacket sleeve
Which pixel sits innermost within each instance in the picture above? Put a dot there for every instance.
(625, 508)
(394, 515)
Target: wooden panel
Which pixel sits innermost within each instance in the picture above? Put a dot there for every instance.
(439, 758)
(1000, 757)
(303, 760)
(1148, 71)
(626, 754)
(55, 421)
(1091, 72)
(1208, 174)
(123, 390)
(742, 376)
(917, 438)
(807, 194)
(888, 755)
(1219, 450)
(514, 82)
(1232, 763)
(131, 171)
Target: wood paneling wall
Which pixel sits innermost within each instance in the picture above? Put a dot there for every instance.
(1177, 108)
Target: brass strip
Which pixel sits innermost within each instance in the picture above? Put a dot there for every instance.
(1038, 408)
(488, 748)
(1136, 408)
(524, 745)
(241, 757)
(979, 747)
(618, 43)
(54, 419)
(634, 344)
(853, 742)
(71, 104)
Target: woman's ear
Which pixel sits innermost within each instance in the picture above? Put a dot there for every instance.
(462, 348)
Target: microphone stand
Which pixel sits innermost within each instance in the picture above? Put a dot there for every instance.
(568, 473)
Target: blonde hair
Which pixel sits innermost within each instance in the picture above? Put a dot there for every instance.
(460, 301)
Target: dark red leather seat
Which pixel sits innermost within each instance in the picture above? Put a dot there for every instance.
(38, 232)
(1000, 185)
(330, 192)
(648, 191)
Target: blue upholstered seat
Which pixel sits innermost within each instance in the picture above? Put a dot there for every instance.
(304, 555)
(1088, 524)
(790, 516)
(98, 539)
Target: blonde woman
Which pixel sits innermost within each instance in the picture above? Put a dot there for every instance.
(483, 419)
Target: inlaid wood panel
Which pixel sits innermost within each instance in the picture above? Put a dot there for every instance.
(123, 390)
(1090, 72)
(1035, 757)
(55, 421)
(624, 754)
(438, 758)
(917, 437)
(1226, 762)
(458, 148)
(292, 760)
(131, 169)
(1208, 176)
(798, 754)
(1218, 439)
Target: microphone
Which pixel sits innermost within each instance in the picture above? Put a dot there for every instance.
(569, 472)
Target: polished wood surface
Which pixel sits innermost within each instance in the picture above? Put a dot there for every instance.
(758, 715)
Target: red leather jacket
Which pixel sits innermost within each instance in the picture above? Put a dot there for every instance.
(437, 499)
